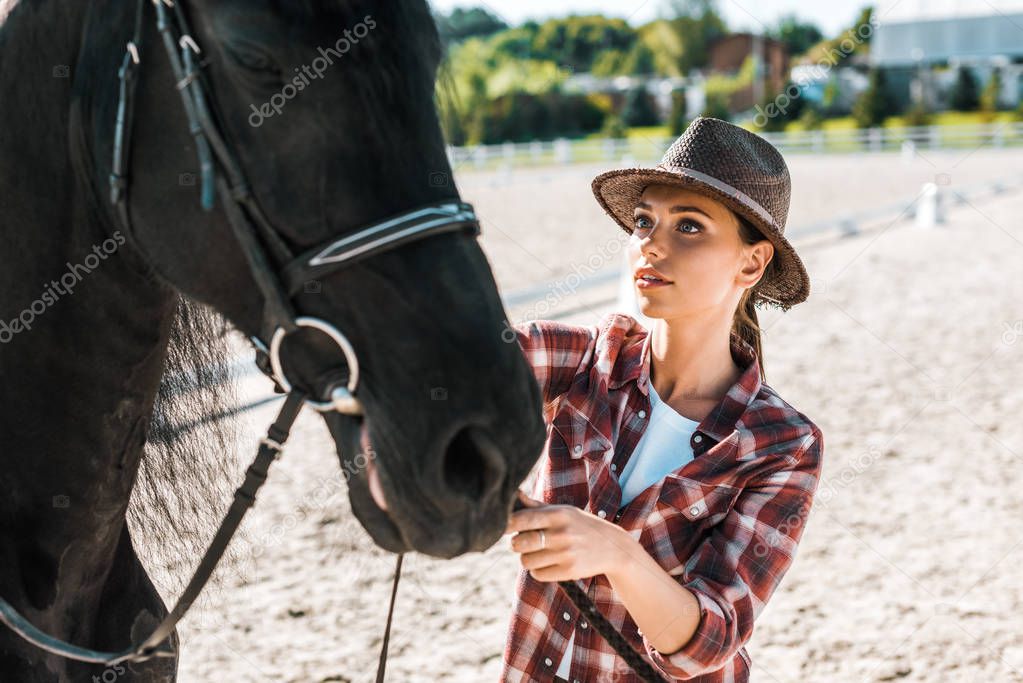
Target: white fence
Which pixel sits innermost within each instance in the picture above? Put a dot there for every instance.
(642, 148)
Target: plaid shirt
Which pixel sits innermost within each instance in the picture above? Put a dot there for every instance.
(725, 524)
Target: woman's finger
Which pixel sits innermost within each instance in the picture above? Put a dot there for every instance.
(541, 559)
(531, 541)
(536, 518)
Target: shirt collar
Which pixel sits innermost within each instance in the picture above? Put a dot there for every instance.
(633, 363)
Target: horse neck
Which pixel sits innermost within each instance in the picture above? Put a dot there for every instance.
(77, 382)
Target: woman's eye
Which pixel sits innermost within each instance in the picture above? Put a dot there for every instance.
(642, 223)
(684, 224)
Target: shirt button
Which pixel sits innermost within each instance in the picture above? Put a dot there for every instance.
(642, 413)
(694, 510)
(614, 467)
(578, 447)
(583, 624)
(566, 616)
(601, 514)
(548, 661)
(697, 438)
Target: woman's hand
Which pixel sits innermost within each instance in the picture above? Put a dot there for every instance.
(577, 545)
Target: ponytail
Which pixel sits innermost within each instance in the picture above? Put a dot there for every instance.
(744, 323)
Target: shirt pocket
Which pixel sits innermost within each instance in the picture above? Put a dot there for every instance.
(579, 435)
(695, 501)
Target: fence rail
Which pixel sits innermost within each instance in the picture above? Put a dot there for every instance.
(642, 148)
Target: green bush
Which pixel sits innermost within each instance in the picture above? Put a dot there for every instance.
(522, 117)
(918, 115)
(964, 96)
(989, 96)
(639, 109)
(811, 119)
(716, 106)
(614, 127)
(874, 104)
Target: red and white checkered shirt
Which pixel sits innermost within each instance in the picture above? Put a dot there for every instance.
(726, 524)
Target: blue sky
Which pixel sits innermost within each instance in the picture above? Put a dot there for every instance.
(831, 16)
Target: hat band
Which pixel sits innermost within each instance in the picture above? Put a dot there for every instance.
(726, 189)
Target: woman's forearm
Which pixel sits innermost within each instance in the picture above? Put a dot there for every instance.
(666, 612)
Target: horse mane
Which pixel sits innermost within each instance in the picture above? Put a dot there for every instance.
(185, 482)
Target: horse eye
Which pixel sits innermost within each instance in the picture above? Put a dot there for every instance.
(253, 60)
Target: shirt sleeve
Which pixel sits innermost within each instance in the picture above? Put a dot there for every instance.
(737, 568)
(556, 352)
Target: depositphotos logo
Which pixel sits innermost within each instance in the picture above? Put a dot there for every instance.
(307, 72)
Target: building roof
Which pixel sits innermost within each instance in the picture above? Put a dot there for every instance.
(893, 11)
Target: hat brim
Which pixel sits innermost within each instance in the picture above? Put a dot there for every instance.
(620, 190)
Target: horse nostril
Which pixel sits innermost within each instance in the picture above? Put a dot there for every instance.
(473, 466)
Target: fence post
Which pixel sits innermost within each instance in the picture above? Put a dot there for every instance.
(536, 150)
(818, 141)
(929, 210)
(875, 139)
(563, 151)
(609, 149)
(509, 153)
(479, 156)
(933, 137)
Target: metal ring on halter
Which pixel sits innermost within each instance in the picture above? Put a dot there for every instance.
(342, 399)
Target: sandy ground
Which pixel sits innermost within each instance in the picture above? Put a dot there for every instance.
(908, 355)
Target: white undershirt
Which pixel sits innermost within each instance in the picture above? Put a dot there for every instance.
(663, 448)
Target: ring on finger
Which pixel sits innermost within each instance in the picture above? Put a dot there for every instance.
(543, 540)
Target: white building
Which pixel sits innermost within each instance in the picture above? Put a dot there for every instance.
(915, 40)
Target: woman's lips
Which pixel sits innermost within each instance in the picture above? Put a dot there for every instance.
(651, 284)
(372, 475)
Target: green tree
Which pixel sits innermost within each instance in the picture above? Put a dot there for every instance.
(467, 23)
(640, 61)
(679, 117)
(639, 108)
(964, 96)
(989, 96)
(576, 41)
(874, 104)
(798, 36)
(836, 51)
(515, 43)
(697, 24)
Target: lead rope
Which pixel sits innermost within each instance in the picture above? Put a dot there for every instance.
(382, 664)
(615, 639)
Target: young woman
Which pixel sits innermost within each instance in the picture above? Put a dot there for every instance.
(675, 483)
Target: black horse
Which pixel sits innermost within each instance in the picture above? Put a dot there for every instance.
(88, 304)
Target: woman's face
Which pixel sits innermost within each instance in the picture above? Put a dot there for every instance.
(693, 242)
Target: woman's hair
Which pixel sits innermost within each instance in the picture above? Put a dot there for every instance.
(744, 324)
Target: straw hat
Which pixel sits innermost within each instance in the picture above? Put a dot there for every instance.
(734, 166)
